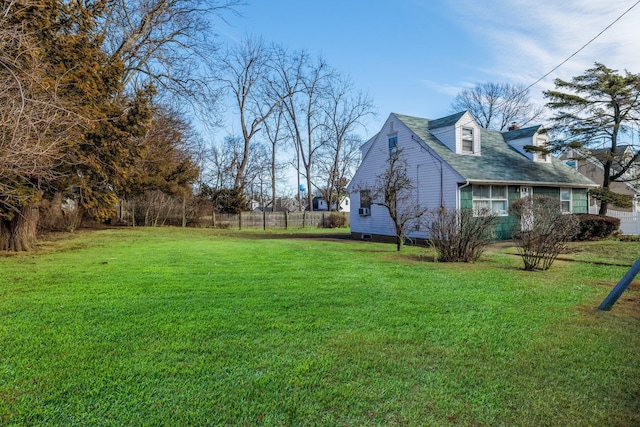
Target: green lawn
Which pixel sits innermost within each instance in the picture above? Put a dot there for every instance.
(217, 327)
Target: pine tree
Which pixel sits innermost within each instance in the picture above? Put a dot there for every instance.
(592, 111)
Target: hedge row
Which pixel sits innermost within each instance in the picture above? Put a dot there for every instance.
(596, 226)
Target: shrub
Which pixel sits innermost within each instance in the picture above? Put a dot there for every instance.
(543, 230)
(335, 220)
(459, 235)
(596, 226)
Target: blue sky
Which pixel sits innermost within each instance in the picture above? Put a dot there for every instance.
(413, 56)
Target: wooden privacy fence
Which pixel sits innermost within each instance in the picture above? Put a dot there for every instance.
(266, 220)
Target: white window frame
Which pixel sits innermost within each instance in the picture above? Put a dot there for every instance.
(393, 146)
(542, 157)
(569, 200)
(491, 200)
(465, 138)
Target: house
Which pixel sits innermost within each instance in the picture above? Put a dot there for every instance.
(320, 204)
(589, 163)
(458, 164)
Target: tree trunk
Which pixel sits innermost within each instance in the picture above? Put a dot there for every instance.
(184, 210)
(606, 183)
(603, 208)
(21, 231)
(4, 234)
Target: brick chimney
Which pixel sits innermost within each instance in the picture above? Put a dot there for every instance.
(514, 126)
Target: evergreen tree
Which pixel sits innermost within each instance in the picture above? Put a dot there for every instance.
(592, 112)
(96, 151)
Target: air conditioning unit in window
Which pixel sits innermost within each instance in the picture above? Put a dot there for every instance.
(364, 211)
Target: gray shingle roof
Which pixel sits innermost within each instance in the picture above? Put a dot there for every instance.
(445, 121)
(527, 132)
(498, 162)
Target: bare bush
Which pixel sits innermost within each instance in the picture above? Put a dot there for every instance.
(335, 220)
(543, 230)
(460, 235)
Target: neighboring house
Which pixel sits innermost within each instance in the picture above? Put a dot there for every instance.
(586, 162)
(320, 204)
(458, 164)
(255, 206)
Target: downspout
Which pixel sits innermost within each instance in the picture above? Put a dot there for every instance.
(441, 185)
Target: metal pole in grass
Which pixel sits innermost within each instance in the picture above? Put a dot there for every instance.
(620, 287)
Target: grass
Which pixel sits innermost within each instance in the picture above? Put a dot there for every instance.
(219, 327)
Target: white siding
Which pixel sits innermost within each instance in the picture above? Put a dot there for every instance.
(426, 169)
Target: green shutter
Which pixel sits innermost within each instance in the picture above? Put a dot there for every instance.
(580, 201)
(466, 198)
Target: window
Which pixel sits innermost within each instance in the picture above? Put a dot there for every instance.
(565, 200)
(393, 146)
(493, 198)
(467, 140)
(365, 199)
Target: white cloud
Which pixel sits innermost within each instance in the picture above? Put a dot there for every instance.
(444, 88)
(528, 39)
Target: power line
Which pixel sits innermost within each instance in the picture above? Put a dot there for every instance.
(572, 55)
(582, 48)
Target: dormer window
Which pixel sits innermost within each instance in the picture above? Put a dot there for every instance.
(467, 140)
(542, 156)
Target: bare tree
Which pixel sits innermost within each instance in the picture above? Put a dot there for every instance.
(305, 114)
(223, 161)
(259, 174)
(168, 43)
(345, 111)
(248, 77)
(289, 69)
(497, 105)
(274, 132)
(395, 191)
(338, 168)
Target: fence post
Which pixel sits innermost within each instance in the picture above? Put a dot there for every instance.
(240, 220)
(620, 287)
(264, 219)
(286, 220)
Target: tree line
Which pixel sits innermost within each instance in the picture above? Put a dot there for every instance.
(286, 102)
(98, 100)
